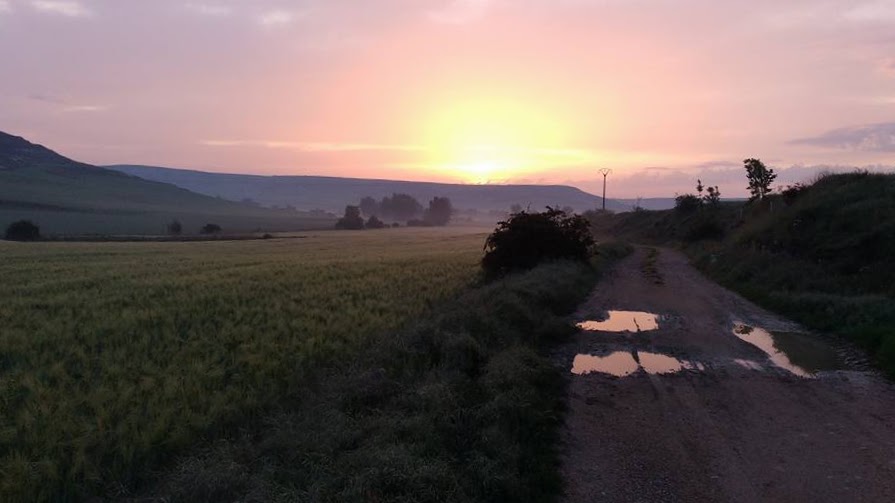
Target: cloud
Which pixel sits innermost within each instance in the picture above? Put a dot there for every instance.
(5, 6)
(461, 11)
(867, 138)
(211, 10)
(85, 108)
(311, 146)
(276, 17)
(68, 8)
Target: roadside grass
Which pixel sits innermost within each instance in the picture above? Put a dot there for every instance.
(460, 406)
(115, 357)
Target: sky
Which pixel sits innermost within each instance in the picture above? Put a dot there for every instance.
(473, 91)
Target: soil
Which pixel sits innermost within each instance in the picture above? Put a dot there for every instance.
(722, 431)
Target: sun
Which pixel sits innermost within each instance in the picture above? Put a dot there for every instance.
(490, 140)
(480, 172)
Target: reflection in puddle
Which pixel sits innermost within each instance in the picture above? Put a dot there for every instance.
(798, 353)
(623, 321)
(654, 363)
(619, 364)
(623, 363)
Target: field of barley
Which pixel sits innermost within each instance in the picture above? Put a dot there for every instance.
(114, 357)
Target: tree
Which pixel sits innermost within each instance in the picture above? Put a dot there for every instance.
(369, 206)
(400, 207)
(375, 223)
(713, 198)
(175, 228)
(210, 229)
(760, 178)
(352, 219)
(439, 212)
(516, 208)
(23, 230)
(528, 239)
(699, 187)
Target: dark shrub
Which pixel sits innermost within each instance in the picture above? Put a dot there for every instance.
(417, 223)
(527, 239)
(687, 203)
(396, 225)
(175, 228)
(375, 223)
(23, 230)
(210, 229)
(352, 219)
(792, 192)
(439, 211)
(705, 229)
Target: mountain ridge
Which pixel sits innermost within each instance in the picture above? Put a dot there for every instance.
(309, 192)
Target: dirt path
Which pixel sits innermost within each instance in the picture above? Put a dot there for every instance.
(721, 430)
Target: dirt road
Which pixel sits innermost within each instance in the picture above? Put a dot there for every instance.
(702, 415)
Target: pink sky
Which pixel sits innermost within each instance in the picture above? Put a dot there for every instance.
(538, 91)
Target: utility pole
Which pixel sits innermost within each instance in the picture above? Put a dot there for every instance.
(605, 172)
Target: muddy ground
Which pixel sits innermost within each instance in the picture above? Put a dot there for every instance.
(736, 427)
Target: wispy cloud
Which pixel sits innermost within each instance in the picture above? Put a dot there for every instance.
(210, 9)
(461, 11)
(867, 138)
(85, 108)
(5, 6)
(68, 8)
(277, 17)
(312, 146)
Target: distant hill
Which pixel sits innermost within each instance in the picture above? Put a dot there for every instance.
(332, 194)
(68, 197)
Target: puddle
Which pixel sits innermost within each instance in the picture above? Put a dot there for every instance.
(619, 364)
(623, 321)
(654, 363)
(623, 364)
(798, 353)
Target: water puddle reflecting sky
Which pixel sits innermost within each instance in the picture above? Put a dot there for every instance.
(619, 364)
(623, 364)
(800, 354)
(623, 321)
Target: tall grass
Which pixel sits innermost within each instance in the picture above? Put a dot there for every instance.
(462, 406)
(114, 357)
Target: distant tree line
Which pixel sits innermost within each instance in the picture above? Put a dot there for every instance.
(396, 208)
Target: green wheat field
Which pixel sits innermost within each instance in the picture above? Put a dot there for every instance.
(114, 355)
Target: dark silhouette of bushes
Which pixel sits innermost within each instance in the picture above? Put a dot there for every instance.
(175, 228)
(374, 223)
(23, 230)
(687, 203)
(352, 219)
(210, 229)
(400, 207)
(528, 239)
(439, 211)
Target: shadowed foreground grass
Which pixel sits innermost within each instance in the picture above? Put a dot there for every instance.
(462, 406)
(114, 357)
